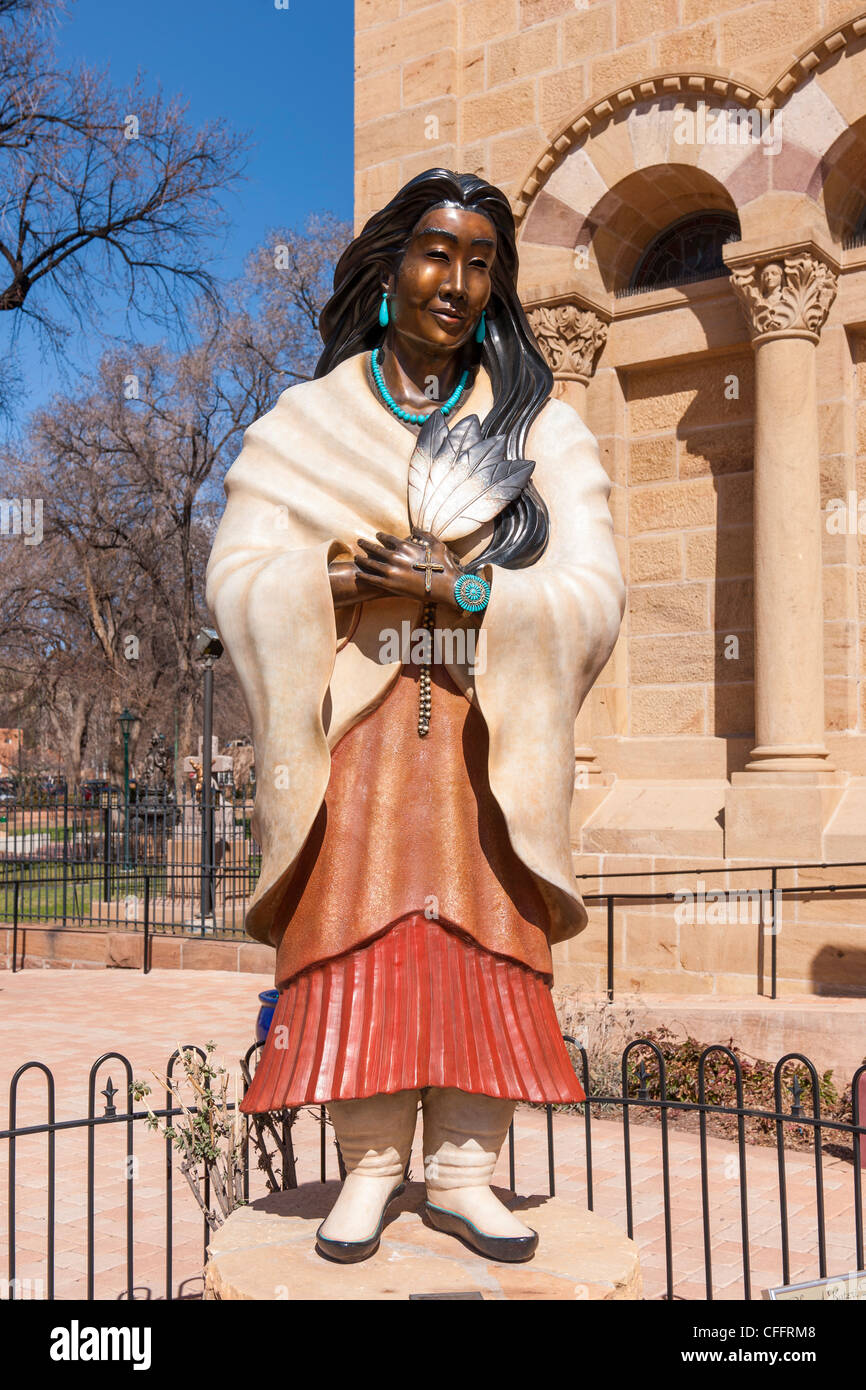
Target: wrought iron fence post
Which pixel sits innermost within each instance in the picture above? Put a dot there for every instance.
(703, 1107)
(774, 938)
(610, 947)
(48, 1129)
(106, 854)
(65, 844)
(207, 802)
(551, 1175)
(858, 1143)
(129, 1166)
(16, 888)
(145, 960)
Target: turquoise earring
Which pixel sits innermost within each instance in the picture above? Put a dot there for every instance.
(384, 316)
(481, 330)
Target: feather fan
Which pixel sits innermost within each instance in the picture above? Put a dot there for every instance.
(458, 480)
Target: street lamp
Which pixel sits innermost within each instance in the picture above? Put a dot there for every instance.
(208, 649)
(126, 721)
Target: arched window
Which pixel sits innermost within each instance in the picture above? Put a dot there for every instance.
(689, 249)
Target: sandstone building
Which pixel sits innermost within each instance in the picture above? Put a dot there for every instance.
(689, 181)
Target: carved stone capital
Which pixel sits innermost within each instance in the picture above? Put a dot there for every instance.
(570, 338)
(790, 297)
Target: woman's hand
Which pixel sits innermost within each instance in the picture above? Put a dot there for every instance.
(398, 567)
(348, 587)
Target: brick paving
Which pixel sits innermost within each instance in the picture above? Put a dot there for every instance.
(66, 1019)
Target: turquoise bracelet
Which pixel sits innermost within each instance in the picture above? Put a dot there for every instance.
(472, 592)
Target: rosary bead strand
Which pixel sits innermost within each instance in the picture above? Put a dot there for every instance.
(425, 688)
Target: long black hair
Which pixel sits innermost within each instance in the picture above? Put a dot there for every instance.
(519, 375)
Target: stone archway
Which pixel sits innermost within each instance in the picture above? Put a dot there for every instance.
(606, 184)
(811, 113)
(843, 181)
(835, 62)
(609, 239)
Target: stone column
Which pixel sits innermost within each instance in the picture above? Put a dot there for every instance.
(571, 337)
(785, 296)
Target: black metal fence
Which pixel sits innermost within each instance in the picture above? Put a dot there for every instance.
(637, 1079)
(147, 866)
(99, 861)
(170, 898)
(759, 905)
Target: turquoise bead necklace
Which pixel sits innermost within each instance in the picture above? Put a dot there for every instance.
(407, 415)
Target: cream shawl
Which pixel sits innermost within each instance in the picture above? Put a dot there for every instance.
(329, 464)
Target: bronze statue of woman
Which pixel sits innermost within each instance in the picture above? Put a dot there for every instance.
(415, 621)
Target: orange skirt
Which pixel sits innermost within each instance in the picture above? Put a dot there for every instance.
(418, 1006)
(376, 998)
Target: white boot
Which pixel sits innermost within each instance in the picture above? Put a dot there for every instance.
(463, 1135)
(375, 1137)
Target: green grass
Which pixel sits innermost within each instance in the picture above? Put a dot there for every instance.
(41, 893)
(39, 899)
(40, 896)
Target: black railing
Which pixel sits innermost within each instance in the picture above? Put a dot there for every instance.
(766, 897)
(66, 858)
(85, 862)
(636, 1082)
(145, 907)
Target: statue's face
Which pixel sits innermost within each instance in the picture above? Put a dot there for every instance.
(443, 283)
(771, 278)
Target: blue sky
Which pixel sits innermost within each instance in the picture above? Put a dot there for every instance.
(284, 76)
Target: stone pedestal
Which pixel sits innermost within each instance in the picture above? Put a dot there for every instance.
(267, 1252)
(780, 814)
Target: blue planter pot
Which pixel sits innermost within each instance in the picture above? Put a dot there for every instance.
(267, 1003)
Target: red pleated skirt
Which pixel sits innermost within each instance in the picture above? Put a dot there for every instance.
(418, 1006)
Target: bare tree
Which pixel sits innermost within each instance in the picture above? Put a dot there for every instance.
(101, 190)
(275, 307)
(106, 609)
(61, 636)
(16, 8)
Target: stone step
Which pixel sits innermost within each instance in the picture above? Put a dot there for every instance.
(682, 819)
